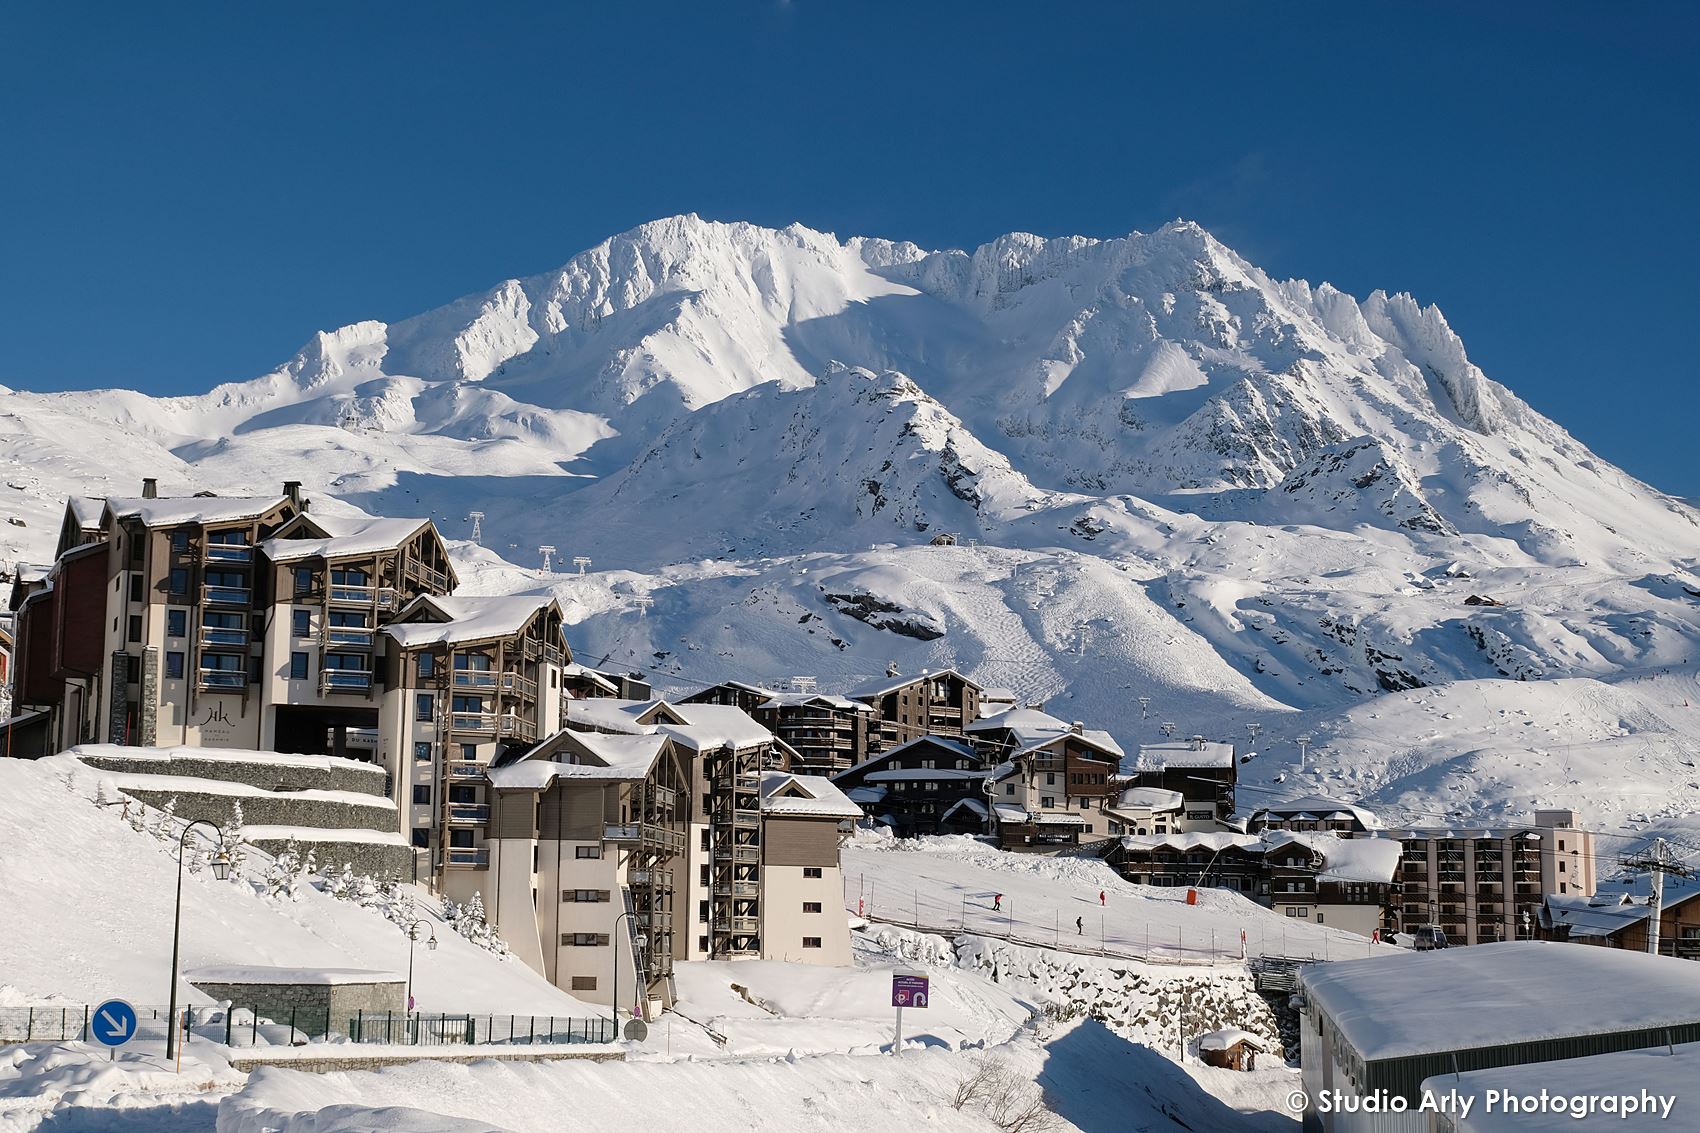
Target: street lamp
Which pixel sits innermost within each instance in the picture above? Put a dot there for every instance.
(637, 942)
(221, 870)
(412, 938)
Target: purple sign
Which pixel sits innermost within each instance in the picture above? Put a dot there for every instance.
(908, 991)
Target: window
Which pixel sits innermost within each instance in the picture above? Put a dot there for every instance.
(179, 583)
(236, 538)
(422, 794)
(1009, 788)
(423, 706)
(301, 623)
(221, 662)
(702, 944)
(1298, 911)
(811, 942)
(422, 751)
(469, 752)
(582, 852)
(349, 619)
(177, 623)
(584, 939)
(584, 983)
(135, 627)
(174, 666)
(477, 662)
(1319, 916)
(1561, 866)
(585, 896)
(297, 666)
(811, 871)
(303, 581)
(135, 588)
(422, 838)
(352, 662)
(471, 704)
(811, 906)
(1047, 800)
(427, 666)
(463, 793)
(179, 540)
(702, 875)
(1050, 779)
(705, 836)
(702, 912)
(255, 670)
(350, 576)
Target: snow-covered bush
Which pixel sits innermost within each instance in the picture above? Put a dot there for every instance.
(282, 875)
(469, 921)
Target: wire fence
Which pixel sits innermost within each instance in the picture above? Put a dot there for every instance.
(238, 1026)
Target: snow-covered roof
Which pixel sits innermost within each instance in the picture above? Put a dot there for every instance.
(1664, 1072)
(1230, 1037)
(87, 510)
(868, 796)
(1597, 916)
(1011, 815)
(971, 804)
(1032, 729)
(32, 572)
(716, 725)
(1185, 753)
(1047, 818)
(574, 669)
(612, 758)
(1318, 807)
(804, 796)
(1346, 859)
(800, 699)
(1207, 841)
(175, 511)
(1150, 798)
(471, 619)
(882, 685)
(372, 538)
(998, 693)
(1514, 991)
(254, 974)
(917, 774)
(741, 686)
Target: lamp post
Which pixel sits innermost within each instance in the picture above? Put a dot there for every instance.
(412, 938)
(221, 870)
(636, 943)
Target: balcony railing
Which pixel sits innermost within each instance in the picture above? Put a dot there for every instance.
(480, 722)
(226, 595)
(222, 678)
(228, 553)
(552, 655)
(530, 648)
(459, 857)
(744, 926)
(746, 854)
(465, 770)
(220, 637)
(519, 686)
(432, 578)
(474, 814)
(518, 727)
(737, 888)
(474, 678)
(357, 637)
(353, 593)
(345, 680)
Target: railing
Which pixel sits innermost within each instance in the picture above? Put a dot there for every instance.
(474, 678)
(518, 726)
(744, 926)
(225, 595)
(344, 680)
(353, 592)
(356, 636)
(430, 576)
(552, 655)
(218, 636)
(462, 858)
(222, 678)
(481, 722)
(524, 686)
(737, 888)
(747, 854)
(388, 599)
(465, 770)
(665, 836)
(228, 552)
(475, 814)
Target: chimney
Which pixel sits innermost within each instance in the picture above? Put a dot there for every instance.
(1078, 727)
(1198, 743)
(292, 489)
(150, 489)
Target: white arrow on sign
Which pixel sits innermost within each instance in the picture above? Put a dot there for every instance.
(117, 1029)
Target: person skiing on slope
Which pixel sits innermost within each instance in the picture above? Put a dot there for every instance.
(997, 902)
(1101, 898)
(1079, 926)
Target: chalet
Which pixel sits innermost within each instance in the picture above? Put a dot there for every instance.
(1315, 813)
(738, 694)
(1618, 919)
(1222, 859)
(829, 733)
(1202, 772)
(1144, 810)
(932, 703)
(1060, 776)
(1231, 1048)
(1338, 881)
(912, 787)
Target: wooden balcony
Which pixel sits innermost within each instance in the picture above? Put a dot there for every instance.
(345, 680)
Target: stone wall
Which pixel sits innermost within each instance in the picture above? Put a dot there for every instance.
(315, 1007)
(377, 860)
(365, 779)
(272, 810)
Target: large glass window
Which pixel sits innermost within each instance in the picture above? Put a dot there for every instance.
(424, 706)
(297, 666)
(176, 623)
(301, 623)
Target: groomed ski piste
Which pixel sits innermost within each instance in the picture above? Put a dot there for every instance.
(1096, 1039)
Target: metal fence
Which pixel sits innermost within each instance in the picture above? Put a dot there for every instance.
(238, 1026)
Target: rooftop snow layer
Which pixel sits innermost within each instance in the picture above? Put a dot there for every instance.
(1150, 798)
(1319, 807)
(1184, 753)
(1661, 1071)
(378, 535)
(175, 511)
(622, 757)
(1494, 994)
(473, 619)
(716, 725)
(804, 796)
(1230, 1037)
(1347, 859)
(882, 685)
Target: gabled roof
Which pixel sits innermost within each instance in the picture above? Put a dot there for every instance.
(814, 699)
(740, 686)
(589, 757)
(1319, 807)
(85, 511)
(709, 726)
(1031, 730)
(586, 673)
(954, 747)
(882, 685)
(175, 511)
(1373, 860)
(1184, 753)
(369, 539)
(612, 714)
(466, 619)
(804, 796)
(1150, 798)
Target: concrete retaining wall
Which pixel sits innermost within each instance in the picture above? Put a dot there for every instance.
(272, 810)
(363, 779)
(368, 859)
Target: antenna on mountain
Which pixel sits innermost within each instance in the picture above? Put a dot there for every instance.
(643, 602)
(804, 684)
(548, 553)
(581, 561)
(477, 518)
(1657, 863)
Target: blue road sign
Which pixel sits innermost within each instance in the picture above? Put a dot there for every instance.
(113, 1023)
(908, 990)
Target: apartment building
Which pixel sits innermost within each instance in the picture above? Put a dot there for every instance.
(1056, 774)
(1202, 772)
(937, 703)
(922, 786)
(1487, 884)
(1315, 813)
(829, 733)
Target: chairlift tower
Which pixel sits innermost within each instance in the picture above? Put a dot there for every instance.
(1252, 730)
(477, 518)
(581, 561)
(1167, 727)
(548, 553)
(1658, 862)
(804, 684)
(1303, 739)
(1144, 707)
(643, 602)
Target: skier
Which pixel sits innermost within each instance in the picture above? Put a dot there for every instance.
(1079, 926)
(997, 902)
(1101, 901)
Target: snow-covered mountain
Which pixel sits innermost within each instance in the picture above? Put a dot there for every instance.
(1168, 474)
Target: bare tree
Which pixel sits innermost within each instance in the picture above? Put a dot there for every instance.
(1004, 1097)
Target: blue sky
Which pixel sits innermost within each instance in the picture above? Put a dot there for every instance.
(188, 192)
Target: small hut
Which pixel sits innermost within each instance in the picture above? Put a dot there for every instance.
(1231, 1049)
